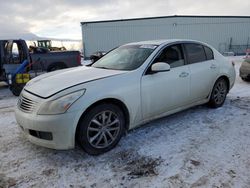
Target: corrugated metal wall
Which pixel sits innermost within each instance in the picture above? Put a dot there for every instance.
(216, 31)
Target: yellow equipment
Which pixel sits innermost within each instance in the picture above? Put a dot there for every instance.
(22, 78)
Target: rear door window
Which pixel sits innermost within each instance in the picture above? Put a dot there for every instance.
(195, 53)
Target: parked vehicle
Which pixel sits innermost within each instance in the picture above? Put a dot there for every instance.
(245, 70)
(130, 85)
(16, 59)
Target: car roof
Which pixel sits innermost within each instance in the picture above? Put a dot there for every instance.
(163, 41)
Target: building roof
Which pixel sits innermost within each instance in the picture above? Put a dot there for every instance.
(159, 17)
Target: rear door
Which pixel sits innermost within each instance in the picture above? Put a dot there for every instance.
(164, 91)
(203, 70)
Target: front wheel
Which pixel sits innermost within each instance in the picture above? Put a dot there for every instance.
(101, 128)
(218, 94)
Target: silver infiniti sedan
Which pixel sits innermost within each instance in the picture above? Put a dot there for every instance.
(131, 85)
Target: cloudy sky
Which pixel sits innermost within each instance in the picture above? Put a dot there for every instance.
(61, 18)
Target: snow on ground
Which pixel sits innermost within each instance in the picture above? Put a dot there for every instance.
(199, 147)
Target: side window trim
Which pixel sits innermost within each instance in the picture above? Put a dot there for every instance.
(184, 54)
(207, 54)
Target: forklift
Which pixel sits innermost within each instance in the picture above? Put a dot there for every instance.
(48, 45)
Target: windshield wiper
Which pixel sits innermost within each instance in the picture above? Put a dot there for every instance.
(102, 67)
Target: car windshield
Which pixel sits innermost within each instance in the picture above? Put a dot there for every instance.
(127, 57)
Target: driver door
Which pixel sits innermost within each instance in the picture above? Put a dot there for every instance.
(165, 91)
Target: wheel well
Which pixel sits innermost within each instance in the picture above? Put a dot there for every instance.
(227, 80)
(117, 102)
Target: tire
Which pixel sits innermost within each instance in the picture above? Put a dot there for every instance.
(245, 79)
(101, 128)
(219, 93)
(16, 88)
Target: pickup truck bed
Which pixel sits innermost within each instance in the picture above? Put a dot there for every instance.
(55, 60)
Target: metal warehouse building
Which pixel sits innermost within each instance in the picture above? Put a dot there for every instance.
(225, 33)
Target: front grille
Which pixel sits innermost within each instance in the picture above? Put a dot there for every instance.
(26, 105)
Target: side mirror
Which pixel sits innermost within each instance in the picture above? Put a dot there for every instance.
(160, 67)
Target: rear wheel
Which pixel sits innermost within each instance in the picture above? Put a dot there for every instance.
(219, 93)
(101, 128)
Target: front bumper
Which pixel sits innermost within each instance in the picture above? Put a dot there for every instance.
(60, 127)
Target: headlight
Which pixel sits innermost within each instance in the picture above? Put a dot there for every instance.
(60, 105)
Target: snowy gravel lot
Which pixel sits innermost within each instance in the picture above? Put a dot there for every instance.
(199, 147)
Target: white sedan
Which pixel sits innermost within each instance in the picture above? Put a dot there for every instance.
(131, 85)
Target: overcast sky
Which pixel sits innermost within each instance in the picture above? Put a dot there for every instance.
(61, 18)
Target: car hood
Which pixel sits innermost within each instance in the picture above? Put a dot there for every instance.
(48, 84)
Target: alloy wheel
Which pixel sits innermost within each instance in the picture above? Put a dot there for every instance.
(220, 92)
(103, 129)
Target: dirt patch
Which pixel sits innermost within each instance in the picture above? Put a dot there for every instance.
(231, 173)
(135, 165)
(241, 102)
(48, 172)
(195, 162)
(6, 182)
(142, 166)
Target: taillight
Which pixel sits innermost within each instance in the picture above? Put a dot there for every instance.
(79, 59)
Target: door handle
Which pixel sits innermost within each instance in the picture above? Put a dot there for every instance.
(213, 66)
(183, 74)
